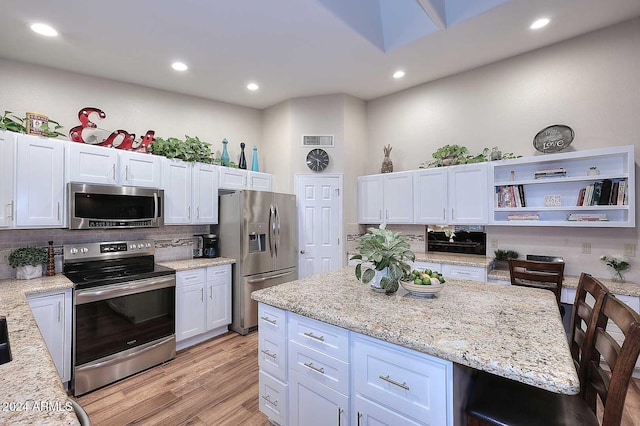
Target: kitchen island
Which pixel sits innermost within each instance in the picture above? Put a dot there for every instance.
(513, 332)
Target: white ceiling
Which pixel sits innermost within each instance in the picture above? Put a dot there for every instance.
(291, 48)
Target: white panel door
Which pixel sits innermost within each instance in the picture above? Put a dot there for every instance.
(319, 223)
(205, 193)
(469, 194)
(176, 182)
(314, 404)
(7, 146)
(91, 164)
(39, 182)
(191, 315)
(430, 196)
(218, 296)
(370, 199)
(398, 197)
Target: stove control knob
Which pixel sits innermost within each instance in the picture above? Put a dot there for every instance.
(148, 245)
(140, 246)
(132, 246)
(84, 250)
(73, 251)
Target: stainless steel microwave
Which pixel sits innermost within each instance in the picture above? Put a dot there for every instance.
(102, 206)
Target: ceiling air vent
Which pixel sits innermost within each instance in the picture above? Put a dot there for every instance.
(317, 140)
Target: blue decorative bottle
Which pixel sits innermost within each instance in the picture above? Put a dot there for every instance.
(225, 153)
(254, 160)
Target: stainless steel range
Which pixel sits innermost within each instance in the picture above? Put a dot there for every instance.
(124, 311)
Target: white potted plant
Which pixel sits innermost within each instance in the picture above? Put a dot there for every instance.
(384, 254)
(28, 261)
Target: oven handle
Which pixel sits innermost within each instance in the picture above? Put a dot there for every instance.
(117, 290)
(155, 206)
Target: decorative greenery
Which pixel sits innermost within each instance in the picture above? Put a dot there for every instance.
(449, 155)
(27, 256)
(11, 122)
(192, 149)
(506, 254)
(618, 263)
(383, 248)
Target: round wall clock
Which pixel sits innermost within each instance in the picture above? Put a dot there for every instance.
(317, 159)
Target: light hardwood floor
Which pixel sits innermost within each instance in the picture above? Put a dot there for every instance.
(213, 383)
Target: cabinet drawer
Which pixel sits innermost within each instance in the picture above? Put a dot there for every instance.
(272, 320)
(319, 367)
(421, 266)
(325, 338)
(464, 272)
(272, 354)
(370, 413)
(190, 277)
(273, 398)
(417, 385)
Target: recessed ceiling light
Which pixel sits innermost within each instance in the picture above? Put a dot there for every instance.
(398, 74)
(542, 22)
(44, 29)
(179, 66)
(252, 86)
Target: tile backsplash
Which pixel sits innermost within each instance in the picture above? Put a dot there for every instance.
(415, 235)
(172, 242)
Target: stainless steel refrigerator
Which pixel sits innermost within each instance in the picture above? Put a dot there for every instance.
(259, 230)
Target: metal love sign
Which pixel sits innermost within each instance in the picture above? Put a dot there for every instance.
(553, 138)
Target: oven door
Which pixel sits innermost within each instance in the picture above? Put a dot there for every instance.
(118, 317)
(103, 206)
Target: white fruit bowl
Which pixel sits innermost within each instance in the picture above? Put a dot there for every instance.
(420, 290)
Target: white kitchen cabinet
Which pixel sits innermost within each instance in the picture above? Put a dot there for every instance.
(272, 360)
(177, 185)
(52, 312)
(452, 195)
(314, 404)
(203, 304)
(385, 198)
(205, 193)
(191, 314)
(91, 164)
(273, 400)
(219, 296)
(258, 181)
(548, 201)
(109, 166)
(369, 413)
(39, 182)
(232, 178)
(190, 192)
(412, 384)
(7, 147)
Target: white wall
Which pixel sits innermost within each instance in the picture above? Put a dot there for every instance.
(355, 156)
(591, 83)
(61, 94)
(276, 131)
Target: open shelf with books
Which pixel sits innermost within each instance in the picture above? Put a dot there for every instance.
(594, 188)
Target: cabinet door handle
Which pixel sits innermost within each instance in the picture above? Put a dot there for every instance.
(313, 336)
(202, 294)
(113, 167)
(58, 211)
(211, 292)
(59, 310)
(126, 173)
(189, 212)
(274, 403)
(402, 385)
(340, 411)
(359, 417)
(313, 367)
(379, 214)
(453, 216)
(387, 214)
(198, 212)
(269, 320)
(10, 214)
(444, 214)
(269, 354)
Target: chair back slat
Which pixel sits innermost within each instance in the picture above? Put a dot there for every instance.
(548, 275)
(611, 386)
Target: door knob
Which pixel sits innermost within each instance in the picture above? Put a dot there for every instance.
(301, 251)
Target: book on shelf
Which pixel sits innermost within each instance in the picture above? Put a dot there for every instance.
(523, 216)
(597, 190)
(613, 199)
(521, 194)
(587, 217)
(622, 192)
(510, 196)
(581, 197)
(546, 173)
(605, 193)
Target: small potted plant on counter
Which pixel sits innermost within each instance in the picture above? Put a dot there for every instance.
(28, 261)
(384, 254)
(501, 260)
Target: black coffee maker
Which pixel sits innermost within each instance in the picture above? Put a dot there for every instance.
(206, 245)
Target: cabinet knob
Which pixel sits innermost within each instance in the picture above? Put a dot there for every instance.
(301, 251)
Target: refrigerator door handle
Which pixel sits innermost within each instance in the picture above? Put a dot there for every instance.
(277, 230)
(272, 229)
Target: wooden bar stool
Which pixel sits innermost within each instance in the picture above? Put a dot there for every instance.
(498, 401)
(535, 274)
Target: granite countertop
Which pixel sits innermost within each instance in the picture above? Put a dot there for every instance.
(187, 264)
(456, 259)
(31, 380)
(571, 281)
(490, 327)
